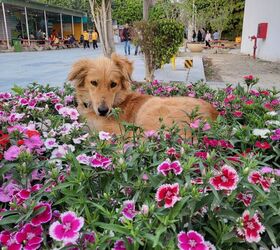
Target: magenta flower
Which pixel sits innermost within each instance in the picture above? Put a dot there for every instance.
(30, 237)
(43, 217)
(246, 198)
(12, 153)
(8, 240)
(128, 210)
(191, 240)
(168, 194)
(226, 179)
(101, 161)
(68, 229)
(251, 227)
(168, 166)
(120, 244)
(33, 142)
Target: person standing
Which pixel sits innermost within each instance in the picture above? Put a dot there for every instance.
(208, 39)
(86, 39)
(216, 36)
(203, 33)
(193, 35)
(94, 37)
(126, 38)
(199, 36)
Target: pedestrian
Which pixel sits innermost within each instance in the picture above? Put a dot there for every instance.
(82, 39)
(208, 39)
(86, 39)
(216, 36)
(94, 37)
(203, 33)
(126, 38)
(193, 35)
(199, 36)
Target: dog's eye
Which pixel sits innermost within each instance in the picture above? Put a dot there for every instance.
(94, 83)
(113, 84)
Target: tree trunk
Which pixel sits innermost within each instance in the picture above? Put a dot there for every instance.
(102, 15)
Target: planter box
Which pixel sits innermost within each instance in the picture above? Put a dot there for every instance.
(195, 47)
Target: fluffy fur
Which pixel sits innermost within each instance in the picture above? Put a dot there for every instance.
(104, 83)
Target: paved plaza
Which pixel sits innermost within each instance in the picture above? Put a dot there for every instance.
(52, 67)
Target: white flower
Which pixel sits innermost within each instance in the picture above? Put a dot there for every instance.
(272, 113)
(83, 158)
(50, 143)
(273, 122)
(80, 139)
(104, 136)
(261, 132)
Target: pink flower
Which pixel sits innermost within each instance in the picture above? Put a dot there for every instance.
(12, 153)
(144, 209)
(237, 113)
(191, 240)
(255, 177)
(8, 240)
(43, 217)
(101, 161)
(251, 227)
(68, 229)
(225, 180)
(266, 170)
(88, 238)
(58, 106)
(7, 191)
(30, 237)
(83, 159)
(249, 102)
(202, 155)
(73, 113)
(168, 194)
(128, 210)
(33, 142)
(104, 136)
(246, 198)
(120, 244)
(168, 166)
(249, 77)
(206, 127)
(229, 98)
(195, 124)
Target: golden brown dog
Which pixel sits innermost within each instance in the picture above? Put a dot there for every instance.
(103, 84)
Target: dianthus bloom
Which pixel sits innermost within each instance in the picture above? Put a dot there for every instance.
(101, 161)
(68, 229)
(262, 145)
(168, 166)
(246, 198)
(120, 244)
(168, 195)
(104, 136)
(43, 217)
(191, 240)
(12, 153)
(226, 179)
(251, 227)
(255, 177)
(128, 210)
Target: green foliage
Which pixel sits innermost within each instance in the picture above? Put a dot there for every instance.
(127, 11)
(164, 9)
(82, 5)
(160, 40)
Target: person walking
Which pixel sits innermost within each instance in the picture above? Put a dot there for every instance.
(203, 33)
(193, 35)
(94, 37)
(126, 38)
(208, 39)
(86, 39)
(199, 36)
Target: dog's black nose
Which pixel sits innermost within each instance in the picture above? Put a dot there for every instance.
(103, 110)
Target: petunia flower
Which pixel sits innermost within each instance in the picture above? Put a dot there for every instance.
(191, 240)
(168, 194)
(251, 227)
(167, 166)
(68, 229)
(43, 217)
(128, 210)
(226, 179)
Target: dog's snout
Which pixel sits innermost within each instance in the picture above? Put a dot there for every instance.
(103, 110)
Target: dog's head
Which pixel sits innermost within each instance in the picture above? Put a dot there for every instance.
(101, 82)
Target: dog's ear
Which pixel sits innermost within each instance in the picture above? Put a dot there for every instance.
(126, 68)
(79, 71)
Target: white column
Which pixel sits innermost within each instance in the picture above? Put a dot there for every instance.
(73, 31)
(46, 25)
(6, 27)
(27, 26)
(61, 26)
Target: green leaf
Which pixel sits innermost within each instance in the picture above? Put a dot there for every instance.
(113, 227)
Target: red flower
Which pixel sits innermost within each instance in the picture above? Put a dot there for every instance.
(246, 198)
(251, 227)
(249, 77)
(201, 154)
(249, 102)
(4, 139)
(256, 177)
(229, 98)
(226, 180)
(237, 113)
(168, 166)
(268, 106)
(265, 92)
(31, 133)
(168, 194)
(172, 152)
(20, 142)
(262, 145)
(44, 216)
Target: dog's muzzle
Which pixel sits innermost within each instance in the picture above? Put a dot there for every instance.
(103, 110)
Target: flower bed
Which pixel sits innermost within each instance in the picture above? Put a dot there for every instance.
(64, 187)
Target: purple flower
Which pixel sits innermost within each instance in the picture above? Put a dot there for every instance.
(12, 153)
(33, 142)
(266, 170)
(83, 159)
(7, 191)
(128, 210)
(50, 143)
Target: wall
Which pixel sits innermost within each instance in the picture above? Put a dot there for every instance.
(67, 29)
(260, 11)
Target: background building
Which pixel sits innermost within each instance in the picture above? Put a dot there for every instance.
(262, 11)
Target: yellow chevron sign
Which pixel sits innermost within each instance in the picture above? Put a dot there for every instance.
(188, 63)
